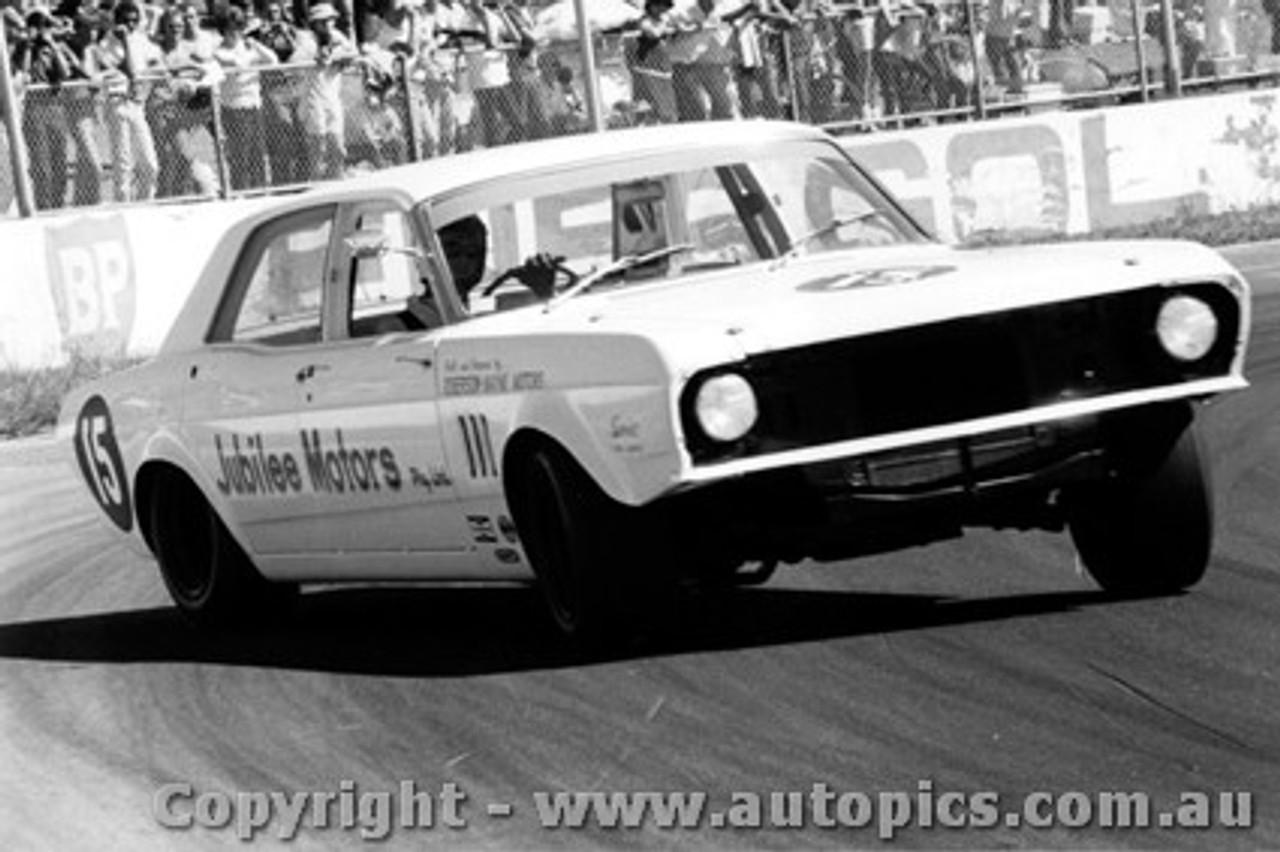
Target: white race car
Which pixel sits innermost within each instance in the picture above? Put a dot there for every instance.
(618, 363)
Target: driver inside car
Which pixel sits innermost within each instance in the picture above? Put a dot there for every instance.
(465, 243)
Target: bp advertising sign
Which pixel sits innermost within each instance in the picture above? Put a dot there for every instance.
(92, 275)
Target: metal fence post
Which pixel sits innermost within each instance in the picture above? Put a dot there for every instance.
(971, 16)
(1139, 33)
(1172, 67)
(590, 79)
(220, 145)
(412, 111)
(793, 81)
(13, 127)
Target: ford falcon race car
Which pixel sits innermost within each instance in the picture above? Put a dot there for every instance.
(623, 363)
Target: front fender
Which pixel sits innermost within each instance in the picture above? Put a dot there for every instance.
(623, 436)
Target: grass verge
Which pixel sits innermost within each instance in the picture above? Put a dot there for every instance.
(29, 399)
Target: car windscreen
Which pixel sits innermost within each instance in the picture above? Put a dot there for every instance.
(678, 214)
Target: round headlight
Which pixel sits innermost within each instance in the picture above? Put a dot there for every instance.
(726, 407)
(1187, 327)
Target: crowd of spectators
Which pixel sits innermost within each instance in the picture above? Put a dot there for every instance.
(821, 61)
(117, 97)
(130, 100)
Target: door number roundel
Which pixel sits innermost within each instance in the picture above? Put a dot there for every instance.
(101, 463)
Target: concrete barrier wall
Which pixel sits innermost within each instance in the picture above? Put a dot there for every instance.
(111, 282)
(1072, 172)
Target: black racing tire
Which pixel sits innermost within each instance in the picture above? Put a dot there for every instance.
(1149, 532)
(208, 575)
(578, 540)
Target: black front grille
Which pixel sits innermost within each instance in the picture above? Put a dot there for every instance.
(964, 369)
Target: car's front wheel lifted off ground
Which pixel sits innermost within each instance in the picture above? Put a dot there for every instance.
(208, 574)
(1149, 531)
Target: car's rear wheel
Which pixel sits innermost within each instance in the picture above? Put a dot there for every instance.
(1149, 531)
(584, 551)
(208, 574)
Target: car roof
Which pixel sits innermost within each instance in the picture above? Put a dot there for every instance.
(441, 177)
(438, 177)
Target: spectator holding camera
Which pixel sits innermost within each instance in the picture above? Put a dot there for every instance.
(43, 62)
(282, 96)
(561, 104)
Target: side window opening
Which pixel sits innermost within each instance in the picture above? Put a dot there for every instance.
(385, 276)
(282, 299)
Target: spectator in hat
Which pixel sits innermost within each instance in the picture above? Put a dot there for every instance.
(323, 114)
(392, 32)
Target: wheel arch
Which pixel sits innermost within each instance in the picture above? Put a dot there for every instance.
(519, 447)
(144, 485)
(165, 454)
(579, 425)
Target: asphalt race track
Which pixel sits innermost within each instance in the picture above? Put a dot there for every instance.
(984, 665)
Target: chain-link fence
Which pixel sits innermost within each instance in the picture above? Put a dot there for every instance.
(848, 67)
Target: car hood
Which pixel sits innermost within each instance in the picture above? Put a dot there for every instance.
(769, 306)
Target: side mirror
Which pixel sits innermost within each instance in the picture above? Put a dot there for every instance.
(368, 244)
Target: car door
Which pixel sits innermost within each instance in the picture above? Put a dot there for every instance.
(370, 419)
(244, 388)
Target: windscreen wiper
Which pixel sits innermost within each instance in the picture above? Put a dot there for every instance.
(836, 223)
(627, 261)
